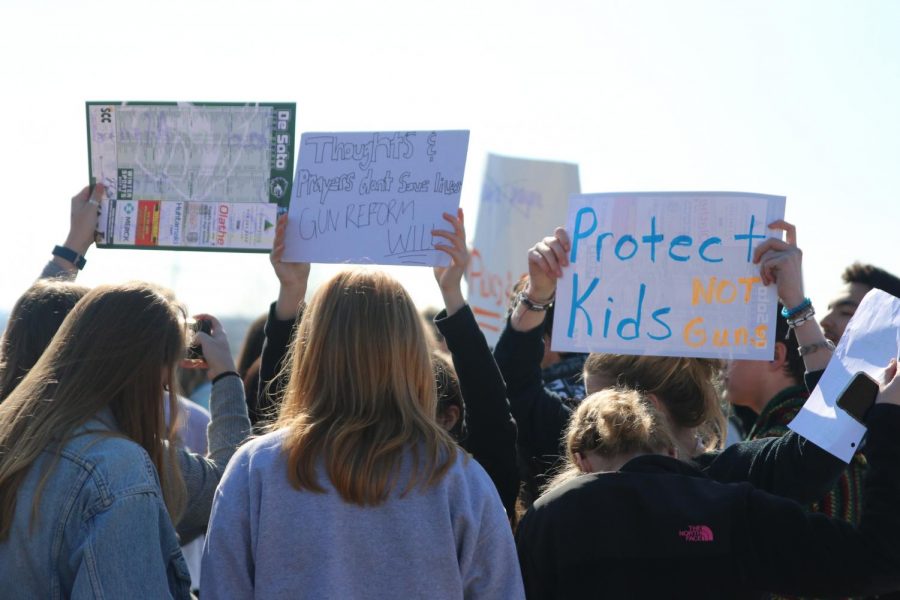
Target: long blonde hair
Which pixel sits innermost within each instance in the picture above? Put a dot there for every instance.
(685, 386)
(112, 350)
(361, 392)
(613, 422)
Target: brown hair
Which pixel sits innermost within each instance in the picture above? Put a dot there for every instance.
(111, 351)
(33, 322)
(610, 423)
(361, 392)
(685, 386)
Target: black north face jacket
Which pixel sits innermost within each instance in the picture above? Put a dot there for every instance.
(659, 528)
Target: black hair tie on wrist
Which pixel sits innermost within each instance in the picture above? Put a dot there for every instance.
(224, 375)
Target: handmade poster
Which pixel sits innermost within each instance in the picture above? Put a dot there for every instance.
(522, 201)
(870, 339)
(374, 197)
(191, 176)
(667, 274)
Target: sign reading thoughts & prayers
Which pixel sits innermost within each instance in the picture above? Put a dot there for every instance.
(374, 197)
(667, 274)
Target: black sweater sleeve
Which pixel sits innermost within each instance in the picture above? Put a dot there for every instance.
(807, 553)
(789, 466)
(492, 431)
(541, 416)
(275, 347)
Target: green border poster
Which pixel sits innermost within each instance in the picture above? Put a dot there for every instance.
(208, 176)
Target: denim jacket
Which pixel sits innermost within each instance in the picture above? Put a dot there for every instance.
(101, 529)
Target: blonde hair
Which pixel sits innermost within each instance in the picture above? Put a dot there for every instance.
(613, 422)
(685, 386)
(110, 351)
(361, 392)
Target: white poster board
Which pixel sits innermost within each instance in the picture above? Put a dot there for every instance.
(667, 274)
(870, 339)
(521, 202)
(374, 197)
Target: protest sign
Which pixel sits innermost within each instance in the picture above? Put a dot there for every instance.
(191, 176)
(870, 339)
(374, 197)
(521, 202)
(667, 274)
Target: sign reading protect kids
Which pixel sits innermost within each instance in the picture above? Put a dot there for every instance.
(667, 274)
(374, 197)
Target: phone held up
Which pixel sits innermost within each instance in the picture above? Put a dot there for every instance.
(194, 356)
(859, 396)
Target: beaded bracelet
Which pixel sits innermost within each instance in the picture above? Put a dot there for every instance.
(788, 313)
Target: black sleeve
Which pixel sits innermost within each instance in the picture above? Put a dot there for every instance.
(811, 379)
(535, 560)
(809, 554)
(275, 347)
(492, 431)
(789, 466)
(541, 416)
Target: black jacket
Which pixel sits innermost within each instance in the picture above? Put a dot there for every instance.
(659, 528)
(789, 466)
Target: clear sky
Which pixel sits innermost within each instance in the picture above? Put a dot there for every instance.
(796, 98)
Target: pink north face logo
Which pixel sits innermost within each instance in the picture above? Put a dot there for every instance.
(697, 533)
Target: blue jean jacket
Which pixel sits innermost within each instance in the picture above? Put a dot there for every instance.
(101, 529)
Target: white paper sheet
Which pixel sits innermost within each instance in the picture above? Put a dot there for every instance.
(871, 339)
(667, 274)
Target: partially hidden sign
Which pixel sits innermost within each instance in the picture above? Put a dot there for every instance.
(667, 274)
(374, 197)
(522, 201)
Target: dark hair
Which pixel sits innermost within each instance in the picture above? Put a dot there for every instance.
(873, 277)
(449, 394)
(793, 365)
(251, 350)
(33, 322)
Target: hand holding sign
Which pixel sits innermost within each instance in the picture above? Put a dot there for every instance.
(292, 277)
(780, 262)
(450, 278)
(546, 261)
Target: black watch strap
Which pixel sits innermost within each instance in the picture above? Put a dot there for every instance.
(70, 255)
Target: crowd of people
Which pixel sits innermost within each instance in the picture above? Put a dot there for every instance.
(356, 450)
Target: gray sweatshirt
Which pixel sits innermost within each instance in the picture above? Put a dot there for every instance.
(269, 540)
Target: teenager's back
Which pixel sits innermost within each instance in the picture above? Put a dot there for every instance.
(269, 540)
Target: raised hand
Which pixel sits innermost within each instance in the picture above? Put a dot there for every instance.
(83, 218)
(449, 278)
(293, 277)
(216, 351)
(546, 260)
(781, 262)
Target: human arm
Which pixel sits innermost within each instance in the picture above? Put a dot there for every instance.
(492, 431)
(284, 313)
(781, 262)
(229, 426)
(85, 210)
(818, 556)
(541, 416)
(790, 466)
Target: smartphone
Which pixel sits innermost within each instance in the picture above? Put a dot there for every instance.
(859, 396)
(195, 351)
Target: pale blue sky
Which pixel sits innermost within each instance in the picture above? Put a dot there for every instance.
(791, 98)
